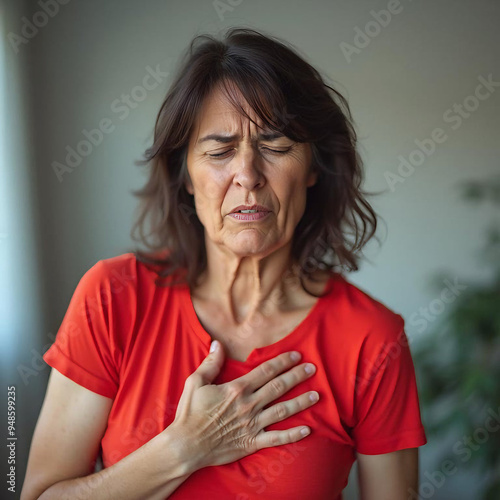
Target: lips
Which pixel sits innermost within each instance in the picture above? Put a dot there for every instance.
(259, 208)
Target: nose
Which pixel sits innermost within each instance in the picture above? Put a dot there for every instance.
(248, 172)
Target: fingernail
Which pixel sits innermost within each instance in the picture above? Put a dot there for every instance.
(213, 346)
(309, 368)
(295, 356)
(304, 431)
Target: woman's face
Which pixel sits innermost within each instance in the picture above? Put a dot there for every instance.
(232, 162)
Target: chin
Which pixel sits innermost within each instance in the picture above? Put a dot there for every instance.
(253, 247)
(249, 251)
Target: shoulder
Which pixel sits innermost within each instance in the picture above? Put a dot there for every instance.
(363, 314)
(114, 285)
(114, 292)
(120, 272)
(125, 283)
(112, 274)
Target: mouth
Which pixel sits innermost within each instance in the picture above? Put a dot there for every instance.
(250, 209)
(249, 215)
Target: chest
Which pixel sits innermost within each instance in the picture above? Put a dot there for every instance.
(316, 467)
(277, 317)
(146, 403)
(262, 329)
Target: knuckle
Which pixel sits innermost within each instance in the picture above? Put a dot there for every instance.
(241, 444)
(242, 409)
(276, 385)
(302, 403)
(275, 440)
(254, 425)
(235, 389)
(300, 373)
(247, 408)
(299, 376)
(268, 370)
(252, 444)
(281, 411)
(295, 405)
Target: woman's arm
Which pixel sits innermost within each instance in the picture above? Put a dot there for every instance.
(66, 442)
(388, 476)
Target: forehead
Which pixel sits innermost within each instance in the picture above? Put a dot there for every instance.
(218, 114)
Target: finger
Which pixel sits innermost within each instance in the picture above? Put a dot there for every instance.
(284, 409)
(270, 439)
(281, 384)
(210, 367)
(268, 370)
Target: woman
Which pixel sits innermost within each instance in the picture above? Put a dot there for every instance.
(256, 208)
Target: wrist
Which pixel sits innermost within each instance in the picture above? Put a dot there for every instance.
(178, 446)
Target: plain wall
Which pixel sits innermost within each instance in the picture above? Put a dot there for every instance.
(21, 267)
(400, 86)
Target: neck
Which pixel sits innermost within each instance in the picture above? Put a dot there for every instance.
(246, 287)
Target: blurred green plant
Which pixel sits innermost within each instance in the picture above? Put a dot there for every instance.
(458, 365)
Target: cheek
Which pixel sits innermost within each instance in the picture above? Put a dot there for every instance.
(291, 191)
(292, 199)
(209, 196)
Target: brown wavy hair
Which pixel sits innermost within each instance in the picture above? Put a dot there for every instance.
(289, 96)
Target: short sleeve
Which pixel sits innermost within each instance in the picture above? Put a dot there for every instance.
(386, 398)
(82, 350)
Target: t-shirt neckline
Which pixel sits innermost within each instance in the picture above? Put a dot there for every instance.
(286, 343)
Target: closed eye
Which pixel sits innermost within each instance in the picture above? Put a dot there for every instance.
(277, 151)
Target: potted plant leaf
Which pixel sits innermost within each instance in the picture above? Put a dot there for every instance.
(458, 364)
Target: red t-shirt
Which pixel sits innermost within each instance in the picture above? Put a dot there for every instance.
(127, 339)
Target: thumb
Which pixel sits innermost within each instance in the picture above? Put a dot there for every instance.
(212, 364)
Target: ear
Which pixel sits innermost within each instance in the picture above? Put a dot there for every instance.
(188, 184)
(312, 177)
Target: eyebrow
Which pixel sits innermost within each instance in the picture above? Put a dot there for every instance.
(270, 136)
